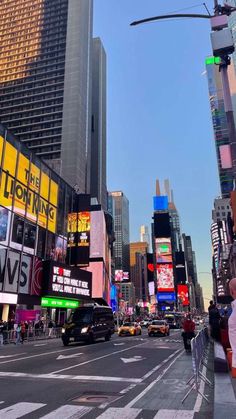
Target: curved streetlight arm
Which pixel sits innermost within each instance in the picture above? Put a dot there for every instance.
(151, 19)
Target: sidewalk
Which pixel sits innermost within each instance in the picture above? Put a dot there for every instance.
(225, 389)
(170, 388)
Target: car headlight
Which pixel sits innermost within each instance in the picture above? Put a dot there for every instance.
(84, 330)
(132, 329)
(63, 330)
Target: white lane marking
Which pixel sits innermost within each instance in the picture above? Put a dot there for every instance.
(174, 414)
(145, 391)
(159, 365)
(68, 411)
(118, 344)
(97, 359)
(133, 359)
(19, 409)
(42, 354)
(120, 412)
(125, 390)
(68, 356)
(41, 344)
(70, 377)
(11, 356)
(1, 402)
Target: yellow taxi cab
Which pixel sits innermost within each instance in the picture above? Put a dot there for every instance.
(130, 329)
(158, 327)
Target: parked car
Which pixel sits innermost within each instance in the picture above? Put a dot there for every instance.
(130, 329)
(159, 327)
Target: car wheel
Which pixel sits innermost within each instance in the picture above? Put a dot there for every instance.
(65, 342)
(140, 332)
(90, 339)
(108, 337)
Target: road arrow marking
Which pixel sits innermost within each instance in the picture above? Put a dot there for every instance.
(134, 359)
(68, 356)
(118, 344)
(10, 356)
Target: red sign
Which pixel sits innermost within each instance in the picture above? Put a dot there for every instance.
(183, 295)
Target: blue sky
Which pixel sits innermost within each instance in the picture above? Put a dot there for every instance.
(159, 123)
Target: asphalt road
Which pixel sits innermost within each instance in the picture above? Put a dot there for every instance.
(108, 380)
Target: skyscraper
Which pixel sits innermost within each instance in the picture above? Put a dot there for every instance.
(98, 185)
(118, 205)
(45, 81)
(144, 235)
(220, 126)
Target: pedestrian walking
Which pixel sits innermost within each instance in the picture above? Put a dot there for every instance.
(1, 332)
(50, 328)
(18, 330)
(188, 333)
(214, 322)
(22, 331)
(232, 325)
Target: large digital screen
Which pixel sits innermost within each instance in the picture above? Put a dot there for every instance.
(183, 294)
(98, 235)
(162, 225)
(163, 250)
(166, 296)
(62, 280)
(35, 194)
(160, 203)
(165, 277)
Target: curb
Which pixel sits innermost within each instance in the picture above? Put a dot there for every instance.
(224, 397)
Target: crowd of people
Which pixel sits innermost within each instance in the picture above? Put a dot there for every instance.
(18, 332)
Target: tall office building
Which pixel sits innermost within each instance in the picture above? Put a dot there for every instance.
(98, 184)
(118, 206)
(144, 235)
(138, 269)
(45, 98)
(220, 124)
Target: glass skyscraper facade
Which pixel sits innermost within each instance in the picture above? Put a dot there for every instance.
(45, 78)
(118, 205)
(219, 125)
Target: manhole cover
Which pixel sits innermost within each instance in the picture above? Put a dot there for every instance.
(95, 398)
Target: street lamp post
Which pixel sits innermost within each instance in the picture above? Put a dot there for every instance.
(219, 10)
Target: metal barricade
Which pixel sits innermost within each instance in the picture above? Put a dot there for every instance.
(199, 347)
(31, 334)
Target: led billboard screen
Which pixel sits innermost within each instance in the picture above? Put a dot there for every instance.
(163, 250)
(121, 275)
(166, 296)
(162, 225)
(183, 294)
(160, 203)
(165, 277)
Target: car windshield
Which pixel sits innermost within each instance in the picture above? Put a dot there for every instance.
(81, 316)
(158, 322)
(128, 324)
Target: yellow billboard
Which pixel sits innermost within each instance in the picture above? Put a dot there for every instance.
(31, 191)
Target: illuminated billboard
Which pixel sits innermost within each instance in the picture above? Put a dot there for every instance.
(98, 235)
(27, 189)
(165, 277)
(162, 225)
(183, 295)
(163, 250)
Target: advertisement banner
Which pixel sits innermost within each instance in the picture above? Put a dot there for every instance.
(66, 281)
(183, 295)
(163, 250)
(84, 228)
(34, 193)
(165, 277)
(164, 296)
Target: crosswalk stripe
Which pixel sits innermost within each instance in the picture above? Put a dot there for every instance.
(174, 414)
(120, 412)
(19, 409)
(68, 411)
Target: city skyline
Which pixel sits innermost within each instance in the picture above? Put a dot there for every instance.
(163, 127)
